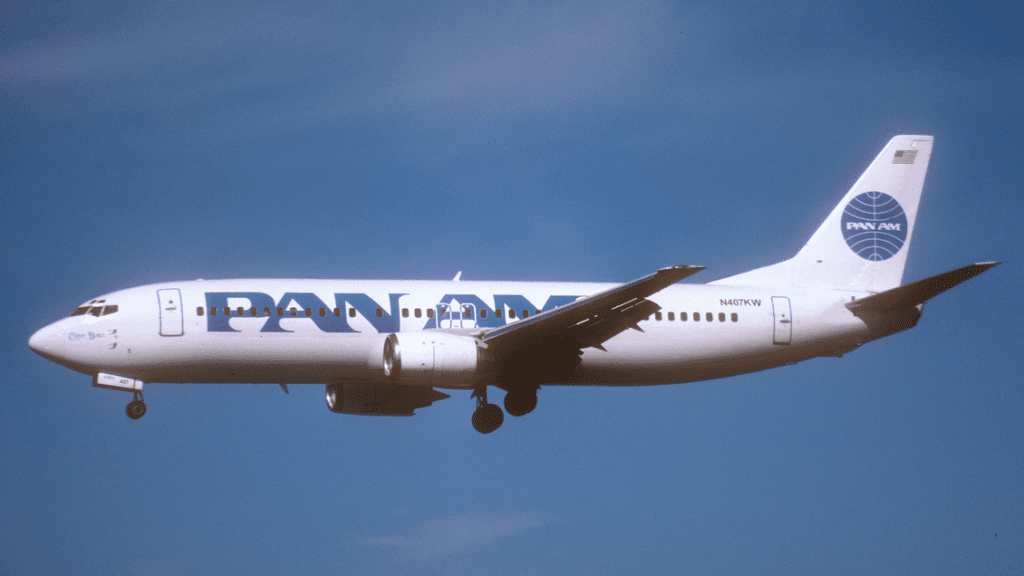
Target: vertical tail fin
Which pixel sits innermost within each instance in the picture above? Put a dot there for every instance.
(863, 243)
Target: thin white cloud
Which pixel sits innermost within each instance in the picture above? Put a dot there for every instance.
(452, 535)
(299, 64)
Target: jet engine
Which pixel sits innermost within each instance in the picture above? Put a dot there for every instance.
(380, 400)
(431, 358)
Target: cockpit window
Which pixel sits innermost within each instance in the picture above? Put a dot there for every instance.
(95, 308)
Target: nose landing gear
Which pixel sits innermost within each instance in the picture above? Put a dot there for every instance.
(136, 408)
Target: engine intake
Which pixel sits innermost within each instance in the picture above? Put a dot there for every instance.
(432, 358)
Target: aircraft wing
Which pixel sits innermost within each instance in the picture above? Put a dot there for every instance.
(592, 320)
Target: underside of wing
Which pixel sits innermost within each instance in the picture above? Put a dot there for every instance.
(547, 347)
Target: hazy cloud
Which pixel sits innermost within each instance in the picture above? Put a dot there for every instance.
(452, 535)
(305, 63)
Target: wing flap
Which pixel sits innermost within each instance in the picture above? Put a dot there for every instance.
(595, 330)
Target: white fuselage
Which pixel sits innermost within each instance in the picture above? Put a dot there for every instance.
(259, 330)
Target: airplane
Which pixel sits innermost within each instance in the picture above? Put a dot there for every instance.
(385, 347)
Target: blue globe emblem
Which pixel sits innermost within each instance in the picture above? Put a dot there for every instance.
(874, 226)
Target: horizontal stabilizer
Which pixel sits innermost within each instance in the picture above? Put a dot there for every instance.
(917, 292)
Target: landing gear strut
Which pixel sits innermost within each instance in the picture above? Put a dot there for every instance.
(487, 417)
(137, 407)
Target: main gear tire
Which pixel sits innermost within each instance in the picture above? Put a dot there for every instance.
(520, 403)
(488, 418)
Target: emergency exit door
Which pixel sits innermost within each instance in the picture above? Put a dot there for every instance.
(456, 315)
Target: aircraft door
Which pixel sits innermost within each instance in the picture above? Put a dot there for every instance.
(171, 318)
(783, 320)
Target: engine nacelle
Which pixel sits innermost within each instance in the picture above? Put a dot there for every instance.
(432, 358)
(380, 399)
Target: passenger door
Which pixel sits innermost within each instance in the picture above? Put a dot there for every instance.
(171, 318)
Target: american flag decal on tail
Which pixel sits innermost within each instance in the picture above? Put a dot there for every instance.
(904, 157)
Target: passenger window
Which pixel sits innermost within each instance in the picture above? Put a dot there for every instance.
(227, 311)
(337, 312)
(417, 313)
(721, 316)
(467, 312)
(323, 312)
(309, 312)
(430, 312)
(696, 316)
(709, 317)
(241, 311)
(682, 316)
(280, 311)
(293, 311)
(671, 316)
(213, 311)
(266, 311)
(199, 311)
(537, 312)
(511, 313)
(735, 317)
(657, 316)
(254, 311)
(526, 313)
(483, 313)
(497, 313)
(405, 312)
(351, 312)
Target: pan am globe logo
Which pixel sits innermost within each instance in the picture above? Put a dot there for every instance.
(874, 226)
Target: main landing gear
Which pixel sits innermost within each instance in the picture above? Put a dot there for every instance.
(520, 401)
(137, 407)
(487, 417)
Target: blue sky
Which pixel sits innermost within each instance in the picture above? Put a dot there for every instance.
(550, 141)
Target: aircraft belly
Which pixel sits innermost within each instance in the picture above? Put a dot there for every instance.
(664, 358)
(669, 357)
(260, 358)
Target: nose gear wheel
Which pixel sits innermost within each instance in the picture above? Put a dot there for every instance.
(136, 408)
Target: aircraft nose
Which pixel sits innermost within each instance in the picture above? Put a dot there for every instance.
(47, 342)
